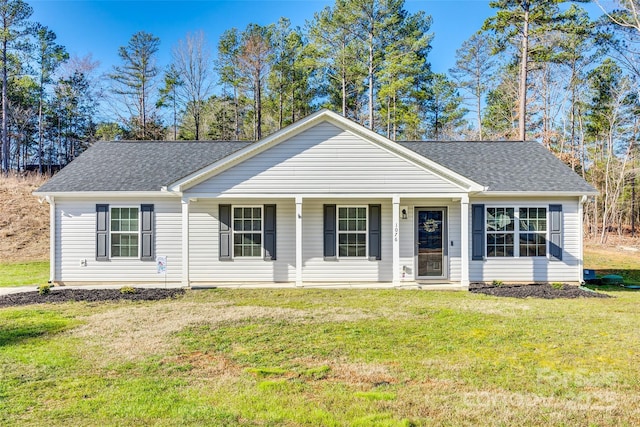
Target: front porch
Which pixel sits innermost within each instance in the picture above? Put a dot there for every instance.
(300, 252)
(332, 285)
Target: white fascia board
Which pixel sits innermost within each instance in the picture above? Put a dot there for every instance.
(107, 194)
(452, 196)
(521, 194)
(341, 122)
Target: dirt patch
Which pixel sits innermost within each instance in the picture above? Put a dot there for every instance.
(24, 223)
(535, 290)
(89, 295)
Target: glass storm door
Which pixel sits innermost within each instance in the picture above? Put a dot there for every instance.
(431, 236)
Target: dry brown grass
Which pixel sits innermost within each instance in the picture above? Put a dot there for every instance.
(24, 221)
(130, 333)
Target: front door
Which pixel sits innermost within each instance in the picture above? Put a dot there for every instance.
(431, 256)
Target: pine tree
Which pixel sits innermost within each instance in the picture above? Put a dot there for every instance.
(169, 95)
(443, 108)
(134, 82)
(49, 56)
(523, 21)
(14, 27)
(474, 71)
(227, 66)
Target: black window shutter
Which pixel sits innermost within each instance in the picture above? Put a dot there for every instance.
(102, 232)
(146, 229)
(375, 230)
(477, 232)
(269, 232)
(555, 231)
(330, 231)
(225, 232)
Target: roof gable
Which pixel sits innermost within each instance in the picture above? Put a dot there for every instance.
(324, 159)
(325, 116)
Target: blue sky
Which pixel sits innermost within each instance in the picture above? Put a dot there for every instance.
(101, 27)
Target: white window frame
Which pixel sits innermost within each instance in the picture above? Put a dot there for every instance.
(365, 232)
(111, 232)
(234, 232)
(516, 230)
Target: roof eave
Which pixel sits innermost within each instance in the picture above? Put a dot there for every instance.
(537, 193)
(105, 194)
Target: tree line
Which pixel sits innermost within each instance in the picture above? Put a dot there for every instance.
(543, 70)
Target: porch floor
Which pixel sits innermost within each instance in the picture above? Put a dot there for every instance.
(432, 286)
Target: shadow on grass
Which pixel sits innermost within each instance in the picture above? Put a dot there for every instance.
(16, 334)
(609, 288)
(631, 277)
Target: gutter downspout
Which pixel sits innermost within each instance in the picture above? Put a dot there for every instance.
(581, 203)
(52, 238)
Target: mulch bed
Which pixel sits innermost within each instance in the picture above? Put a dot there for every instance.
(535, 290)
(89, 295)
(143, 294)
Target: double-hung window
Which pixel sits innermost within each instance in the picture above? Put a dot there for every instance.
(533, 231)
(352, 231)
(500, 232)
(516, 231)
(125, 232)
(247, 231)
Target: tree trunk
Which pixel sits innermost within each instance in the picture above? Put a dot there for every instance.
(258, 107)
(388, 117)
(175, 116)
(40, 141)
(236, 113)
(5, 133)
(344, 83)
(522, 122)
(371, 79)
(479, 107)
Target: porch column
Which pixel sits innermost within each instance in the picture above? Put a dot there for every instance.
(185, 241)
(464, 241)
(298, 240)
(396, 239)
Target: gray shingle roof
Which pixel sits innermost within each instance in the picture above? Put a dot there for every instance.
(148, 166)
(137, 166)
(504, 165)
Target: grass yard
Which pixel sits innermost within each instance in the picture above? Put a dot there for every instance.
(24, 273)
(610, 260)
(323, 357)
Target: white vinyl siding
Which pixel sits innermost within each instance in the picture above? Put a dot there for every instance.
(204, 241)
(76, 242)
(321, 160)
(535, 269)
(347, 269)
(205, 266)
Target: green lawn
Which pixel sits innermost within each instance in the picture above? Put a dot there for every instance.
(607, 260)
(24, 273)
(323, 357)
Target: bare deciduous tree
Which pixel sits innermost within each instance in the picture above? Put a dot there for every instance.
(192, 62)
